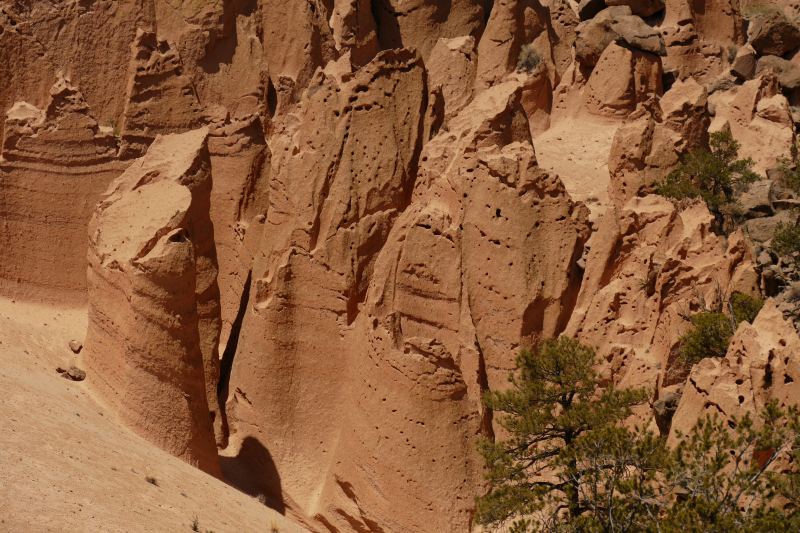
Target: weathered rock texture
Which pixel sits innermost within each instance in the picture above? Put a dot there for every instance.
(415, 307)
(759, 117)
(647, 265)
(652, 141)
(420, 24)
(154, 301)
(55, 164)
(762, 365)
(512, 24)
(319, 322)
(622, 78)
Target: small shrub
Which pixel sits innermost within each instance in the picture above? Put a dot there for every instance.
(713, 330)
(732, 50)
(195, 524)
(273, 527)
(714, 176)
(529, 59)
(643, 283)
(112, 122)
(790, 168)
(786, 241)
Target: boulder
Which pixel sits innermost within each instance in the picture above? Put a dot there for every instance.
(622, 79)
(761, 230)
(664, 410)
(611, 25)
(152, 337)
(641, 8)
(774, 34)
(74, 374)
(756, 202)
(75, 346)
(744, 64)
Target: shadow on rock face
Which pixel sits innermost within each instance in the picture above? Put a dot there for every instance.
(254, 472)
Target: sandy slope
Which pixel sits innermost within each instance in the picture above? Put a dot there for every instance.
(67, 465)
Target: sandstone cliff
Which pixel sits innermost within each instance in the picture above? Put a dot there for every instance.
(328, 226)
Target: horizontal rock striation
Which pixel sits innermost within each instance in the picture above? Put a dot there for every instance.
(55, 164)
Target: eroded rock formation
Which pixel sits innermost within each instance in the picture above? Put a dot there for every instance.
(55, 164)
(154, 301)
(332, 224)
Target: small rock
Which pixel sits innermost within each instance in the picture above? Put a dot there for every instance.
(74, 373)
(663, 410)
(581, 263)
(744, 65)
(60, 369)
(75, 346)
(757, 201)
(765, 259)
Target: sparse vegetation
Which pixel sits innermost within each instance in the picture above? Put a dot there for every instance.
(786, 241)
(643, 283)
(552, 404)
(732, 50)
(114, 124)
(714, 176)
(195, 524)
(151, 479)
(262, 499)
(714, 326)
(273, 527)
(569, 465)
(529, 58)
(789, 167)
